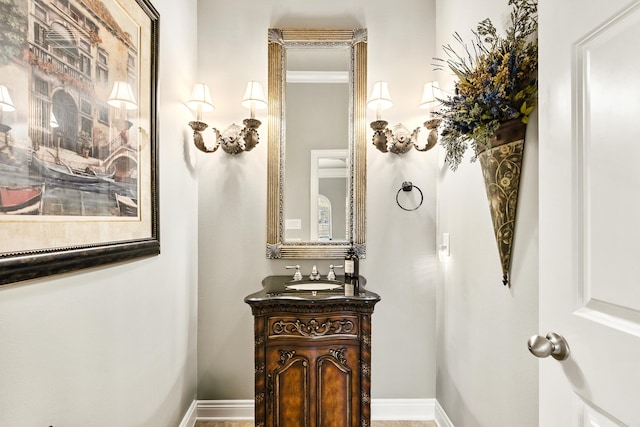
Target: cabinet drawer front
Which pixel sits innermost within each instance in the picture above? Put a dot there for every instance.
(314, 327)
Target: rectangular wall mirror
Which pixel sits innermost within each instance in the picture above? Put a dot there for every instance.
(317, 151)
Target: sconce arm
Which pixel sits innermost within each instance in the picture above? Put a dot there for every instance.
(250, 133)
(379, 136)
(432, 139)
(198, 140)
(233, 140)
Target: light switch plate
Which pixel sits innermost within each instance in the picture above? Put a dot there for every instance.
(293, 224)
(445, 246)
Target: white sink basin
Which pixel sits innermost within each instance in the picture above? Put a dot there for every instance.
(314, 286)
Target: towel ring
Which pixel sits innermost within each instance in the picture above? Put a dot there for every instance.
(408, 186)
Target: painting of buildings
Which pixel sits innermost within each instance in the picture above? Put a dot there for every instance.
(70, 69)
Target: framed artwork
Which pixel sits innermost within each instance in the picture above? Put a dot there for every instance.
(78, 135)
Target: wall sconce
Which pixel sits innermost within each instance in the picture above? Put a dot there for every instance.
(234, 139)
(399, 140)
(123, 99)
(6, 104)
(201, 102)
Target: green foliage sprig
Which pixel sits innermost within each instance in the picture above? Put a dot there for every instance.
(497, 82)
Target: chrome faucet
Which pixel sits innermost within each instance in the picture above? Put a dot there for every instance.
(331, 275)
(314, 274)
(297, 275)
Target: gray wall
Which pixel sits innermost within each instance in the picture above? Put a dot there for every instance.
(401, 259)
(485, 374)
(116, 345)
(315, 120)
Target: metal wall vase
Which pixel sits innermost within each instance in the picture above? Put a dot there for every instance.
(501, 168)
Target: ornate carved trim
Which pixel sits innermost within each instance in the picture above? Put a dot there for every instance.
(285, 356)
(275, 36)
(365, 398)
(360, 249)
(259, 398)
(270, 388)
(259, 340)
(359, 36)
(338, 353)
(366, 340)
(273, 250)
(260, 367)
(314, 328)
(365, 369)
(276, 306)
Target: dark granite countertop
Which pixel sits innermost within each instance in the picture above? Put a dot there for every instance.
(274, 289)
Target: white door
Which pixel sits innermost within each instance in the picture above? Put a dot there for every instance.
(589, 147)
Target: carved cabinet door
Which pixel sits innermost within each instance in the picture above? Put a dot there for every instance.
(288, 388)
(337, 385)
(312, 386)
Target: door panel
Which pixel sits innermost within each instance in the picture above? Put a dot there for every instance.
(609, 177)
(291, 391)
(589, 211)
(593, 417)
(334, 387)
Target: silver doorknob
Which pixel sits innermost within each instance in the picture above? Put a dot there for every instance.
(553, 345)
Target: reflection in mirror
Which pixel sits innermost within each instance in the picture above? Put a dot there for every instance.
(317, 166)
(329, 195)
(317, 87)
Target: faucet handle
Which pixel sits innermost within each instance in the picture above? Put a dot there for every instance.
(332, 274)
(297, 275)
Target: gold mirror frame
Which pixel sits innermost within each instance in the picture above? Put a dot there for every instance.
(279, 40)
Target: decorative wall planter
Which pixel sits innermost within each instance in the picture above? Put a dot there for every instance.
(501, 168)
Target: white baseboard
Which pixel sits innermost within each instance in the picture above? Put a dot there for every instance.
(441, 418)
(381, 409)
(230, 410)
(190, 418)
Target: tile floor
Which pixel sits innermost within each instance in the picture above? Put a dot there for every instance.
(373, 424)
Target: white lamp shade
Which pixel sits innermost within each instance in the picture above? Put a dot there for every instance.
(380, 97)
(431, 91)
(122, 95)
(254, 96)
(201, 98)
(52, 121)
(6, 104)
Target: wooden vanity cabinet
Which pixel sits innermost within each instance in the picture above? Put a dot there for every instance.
(312, 361)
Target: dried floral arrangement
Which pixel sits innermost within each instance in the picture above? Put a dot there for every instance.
(497, 82)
